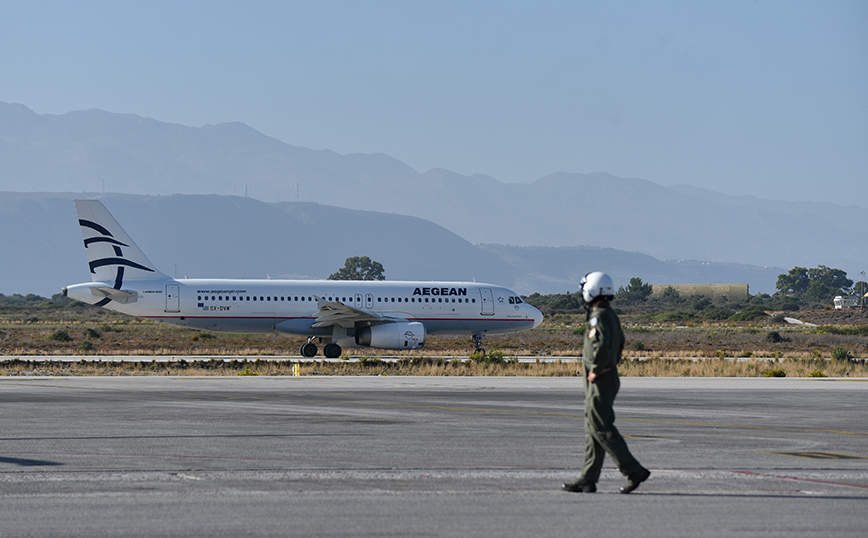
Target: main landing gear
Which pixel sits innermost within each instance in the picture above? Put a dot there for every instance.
(330, 351)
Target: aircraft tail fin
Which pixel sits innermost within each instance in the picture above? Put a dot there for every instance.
(112, 255)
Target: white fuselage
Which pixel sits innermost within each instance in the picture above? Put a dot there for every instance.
(290, 306)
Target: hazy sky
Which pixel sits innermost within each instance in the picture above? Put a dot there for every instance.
(768, 98)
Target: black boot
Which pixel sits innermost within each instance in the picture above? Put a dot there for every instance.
(581, 486)
(634, 480)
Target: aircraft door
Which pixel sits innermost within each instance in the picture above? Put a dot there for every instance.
(369, 301)
(359, 300)
(173, 298)
(487, 301)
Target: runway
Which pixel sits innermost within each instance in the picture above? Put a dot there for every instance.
(416, 456)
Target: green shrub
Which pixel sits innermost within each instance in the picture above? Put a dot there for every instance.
(716, 313)
(85, 347)
(750, 313)
(60, 335)
(842, 354)
(775, 337)
(92, 333)
(492, 357)
(817, 373)
(775, 373)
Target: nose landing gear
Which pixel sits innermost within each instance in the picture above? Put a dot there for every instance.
(477, 341)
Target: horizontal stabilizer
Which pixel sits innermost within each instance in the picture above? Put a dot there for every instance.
(120, 296)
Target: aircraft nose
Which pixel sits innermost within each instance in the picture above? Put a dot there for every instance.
(537, 316)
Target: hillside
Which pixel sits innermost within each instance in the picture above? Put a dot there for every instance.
(232, 236)
(97, 151)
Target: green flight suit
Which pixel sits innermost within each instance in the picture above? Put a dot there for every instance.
(604, 341)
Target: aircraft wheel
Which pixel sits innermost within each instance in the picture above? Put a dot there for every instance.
(308, 350)
(332, 351)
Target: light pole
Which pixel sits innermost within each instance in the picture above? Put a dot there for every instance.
(862, 291)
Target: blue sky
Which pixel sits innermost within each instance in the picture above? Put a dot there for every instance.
(763, 98)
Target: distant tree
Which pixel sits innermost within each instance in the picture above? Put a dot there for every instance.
(836, 279)
(636, 292)
(818, 285)
(359, 268)
(796, 281)
(670, 296)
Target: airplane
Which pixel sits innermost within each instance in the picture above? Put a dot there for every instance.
(394, 315)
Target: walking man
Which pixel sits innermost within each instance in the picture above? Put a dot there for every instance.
(603, 343)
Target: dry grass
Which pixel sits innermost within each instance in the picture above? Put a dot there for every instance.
(438, 367)
(651, 351)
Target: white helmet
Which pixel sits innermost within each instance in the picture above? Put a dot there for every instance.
(597, 284)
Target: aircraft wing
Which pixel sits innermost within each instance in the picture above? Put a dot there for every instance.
(336, 313)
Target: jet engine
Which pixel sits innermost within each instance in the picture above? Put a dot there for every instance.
(410, 335)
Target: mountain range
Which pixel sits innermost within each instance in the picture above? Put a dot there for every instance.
(238, 237)
(323, 207)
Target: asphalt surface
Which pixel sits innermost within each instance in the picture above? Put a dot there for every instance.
(443, 456)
